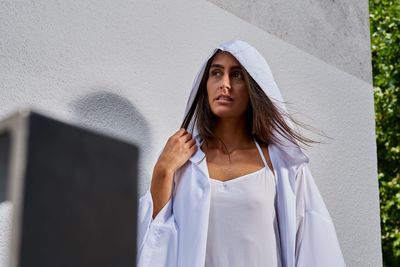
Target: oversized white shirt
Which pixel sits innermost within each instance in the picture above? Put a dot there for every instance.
(177, 237)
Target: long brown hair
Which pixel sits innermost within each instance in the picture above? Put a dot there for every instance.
(264, 118)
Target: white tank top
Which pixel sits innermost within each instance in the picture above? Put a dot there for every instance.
(243, 228)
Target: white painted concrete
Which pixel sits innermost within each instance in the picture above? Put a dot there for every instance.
(126, 67)
(336, 31)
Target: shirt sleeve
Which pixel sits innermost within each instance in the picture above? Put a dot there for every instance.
(156, 238)
(316, 239)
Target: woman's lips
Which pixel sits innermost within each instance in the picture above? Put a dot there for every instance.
(224, 99)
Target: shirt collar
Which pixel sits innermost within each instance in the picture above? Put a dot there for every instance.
(199, 155)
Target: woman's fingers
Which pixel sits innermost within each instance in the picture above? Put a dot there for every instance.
(187, 137)
(183, 135)
(178, 149)
(190, 143)
(181, 132)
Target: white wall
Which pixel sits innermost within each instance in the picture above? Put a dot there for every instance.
(126, 67)
(335, 31)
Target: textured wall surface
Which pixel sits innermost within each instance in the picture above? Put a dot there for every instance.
(336, 32)
(126, 67)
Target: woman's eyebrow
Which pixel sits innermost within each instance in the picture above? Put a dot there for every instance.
(222, 67)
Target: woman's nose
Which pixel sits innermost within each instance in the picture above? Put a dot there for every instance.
(225, 83)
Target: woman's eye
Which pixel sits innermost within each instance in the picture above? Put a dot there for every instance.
(237, 75)
(216, 73)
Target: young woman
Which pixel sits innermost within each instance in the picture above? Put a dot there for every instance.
(232, 186)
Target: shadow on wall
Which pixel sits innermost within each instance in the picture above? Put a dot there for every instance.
(115, 115)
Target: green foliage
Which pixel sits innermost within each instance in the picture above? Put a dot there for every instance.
(385, 45)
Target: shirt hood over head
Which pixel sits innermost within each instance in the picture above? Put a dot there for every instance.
(258, 68)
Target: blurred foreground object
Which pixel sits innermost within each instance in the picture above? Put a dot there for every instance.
(72, 192)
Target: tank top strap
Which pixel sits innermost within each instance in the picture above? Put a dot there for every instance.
(261, 153)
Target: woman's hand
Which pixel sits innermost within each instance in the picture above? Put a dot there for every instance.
(178, 149)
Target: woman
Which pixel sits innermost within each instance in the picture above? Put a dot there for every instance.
(232, 186)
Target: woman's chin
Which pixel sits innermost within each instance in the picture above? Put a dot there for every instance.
(227, 114)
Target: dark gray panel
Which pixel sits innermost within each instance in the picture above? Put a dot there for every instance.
(79, 206)
(4, 164)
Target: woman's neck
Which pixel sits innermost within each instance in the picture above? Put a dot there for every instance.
(232, 132)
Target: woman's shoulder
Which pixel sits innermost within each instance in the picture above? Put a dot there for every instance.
(266, 153)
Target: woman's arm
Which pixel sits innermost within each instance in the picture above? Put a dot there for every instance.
(178, 149)
(157, 237)
(161, 187)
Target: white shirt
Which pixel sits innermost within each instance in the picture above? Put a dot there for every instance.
(177, 237)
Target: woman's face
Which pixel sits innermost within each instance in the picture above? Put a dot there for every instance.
(227, 92)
